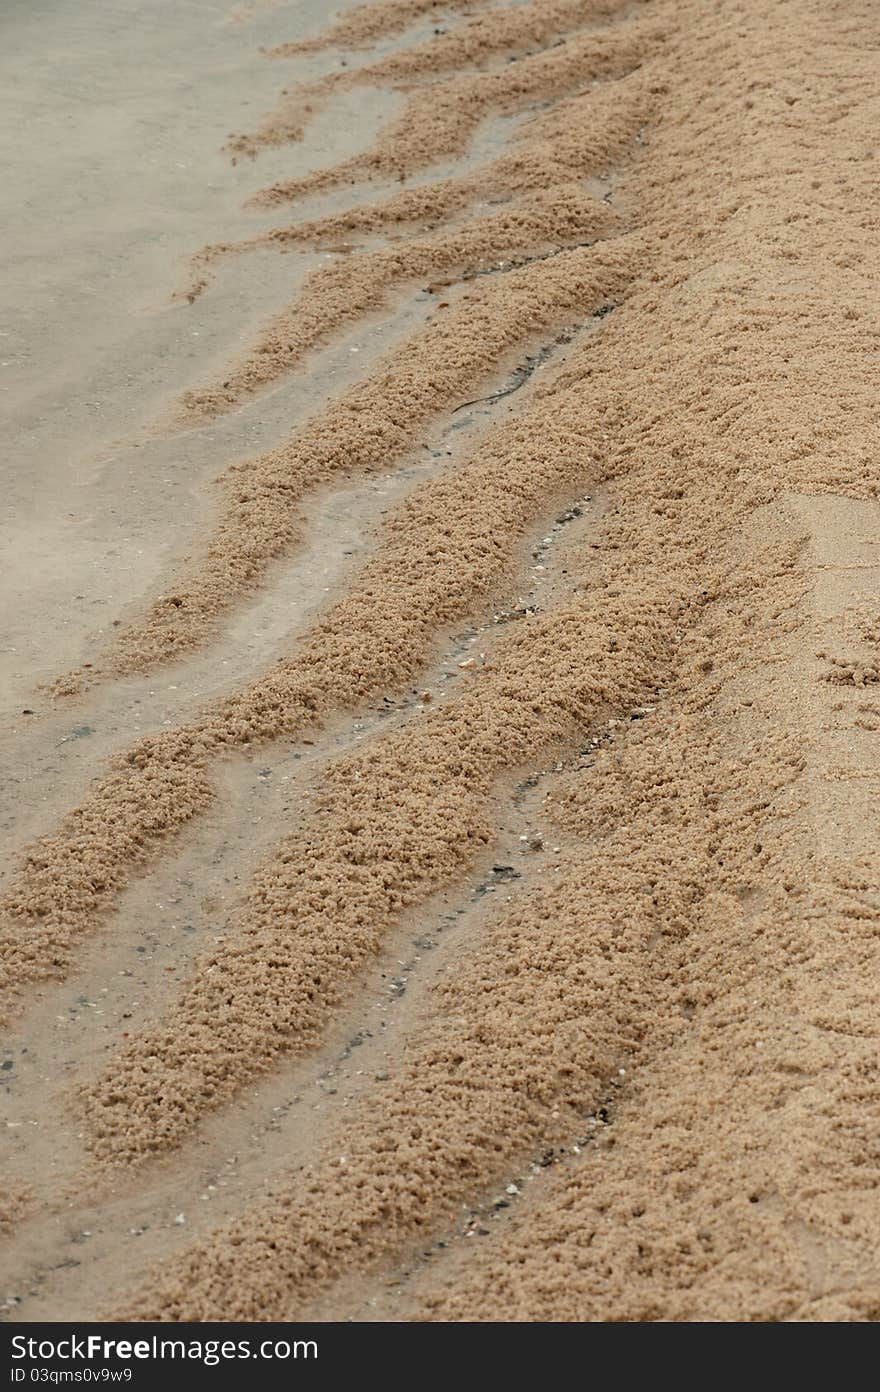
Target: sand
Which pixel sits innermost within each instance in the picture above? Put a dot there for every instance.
(445, 889)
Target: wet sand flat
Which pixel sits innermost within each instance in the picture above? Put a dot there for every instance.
(442, 612)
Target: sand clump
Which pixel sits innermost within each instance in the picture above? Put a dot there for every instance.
(15, 1205)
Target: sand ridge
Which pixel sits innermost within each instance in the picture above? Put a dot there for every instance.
(370, 426)
(351, 288)
(512, 34)
(444, 126)
(159, 785)
(369, 22)
(260, 520)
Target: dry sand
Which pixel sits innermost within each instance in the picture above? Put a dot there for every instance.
(443, 882)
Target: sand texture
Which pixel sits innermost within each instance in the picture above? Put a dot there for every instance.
(442, 881)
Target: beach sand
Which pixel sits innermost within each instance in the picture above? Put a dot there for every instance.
(442, 617)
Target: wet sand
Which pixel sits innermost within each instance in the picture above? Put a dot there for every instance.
(444, 614)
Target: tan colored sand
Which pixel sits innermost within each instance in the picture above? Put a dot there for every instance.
(365, 430)
(523, 1050)
(369, 22)
(675, 1024)
(735, 1178)
(392, 825)
(442, 555)
(15, 1204)
(578, 137)
(350, 288)
(697, 894)
(584, 134)
(443, 127)
(513, 33)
